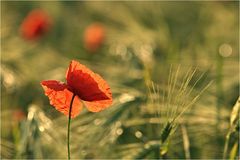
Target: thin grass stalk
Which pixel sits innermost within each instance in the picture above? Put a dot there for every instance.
(174, 87)
(219, 91)
(156, 93)
(225, 151)
(186, 142)
(169, 89)
(233, 123)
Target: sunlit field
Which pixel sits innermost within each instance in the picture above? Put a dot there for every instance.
(120, 80)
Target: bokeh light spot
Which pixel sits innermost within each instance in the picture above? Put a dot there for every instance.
(225, 50)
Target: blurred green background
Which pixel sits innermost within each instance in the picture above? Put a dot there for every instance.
(149, 52)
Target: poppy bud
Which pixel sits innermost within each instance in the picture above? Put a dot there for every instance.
(94, 36)
(36, 24)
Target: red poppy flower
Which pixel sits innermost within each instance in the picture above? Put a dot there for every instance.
(35, 24)
(94, 36)
(88, 87)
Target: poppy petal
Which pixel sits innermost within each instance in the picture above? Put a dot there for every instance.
(60, 97)
(86, 84)
(97, 106)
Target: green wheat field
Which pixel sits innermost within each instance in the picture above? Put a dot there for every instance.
(173, 70)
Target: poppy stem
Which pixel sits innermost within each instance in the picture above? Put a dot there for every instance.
(69, 123)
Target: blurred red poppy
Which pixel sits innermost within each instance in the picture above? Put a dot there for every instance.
(36, 24)
(88, 87)
(18, 115)
(94, 36)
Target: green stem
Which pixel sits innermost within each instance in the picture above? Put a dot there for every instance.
(157, 152)
(69, 123)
